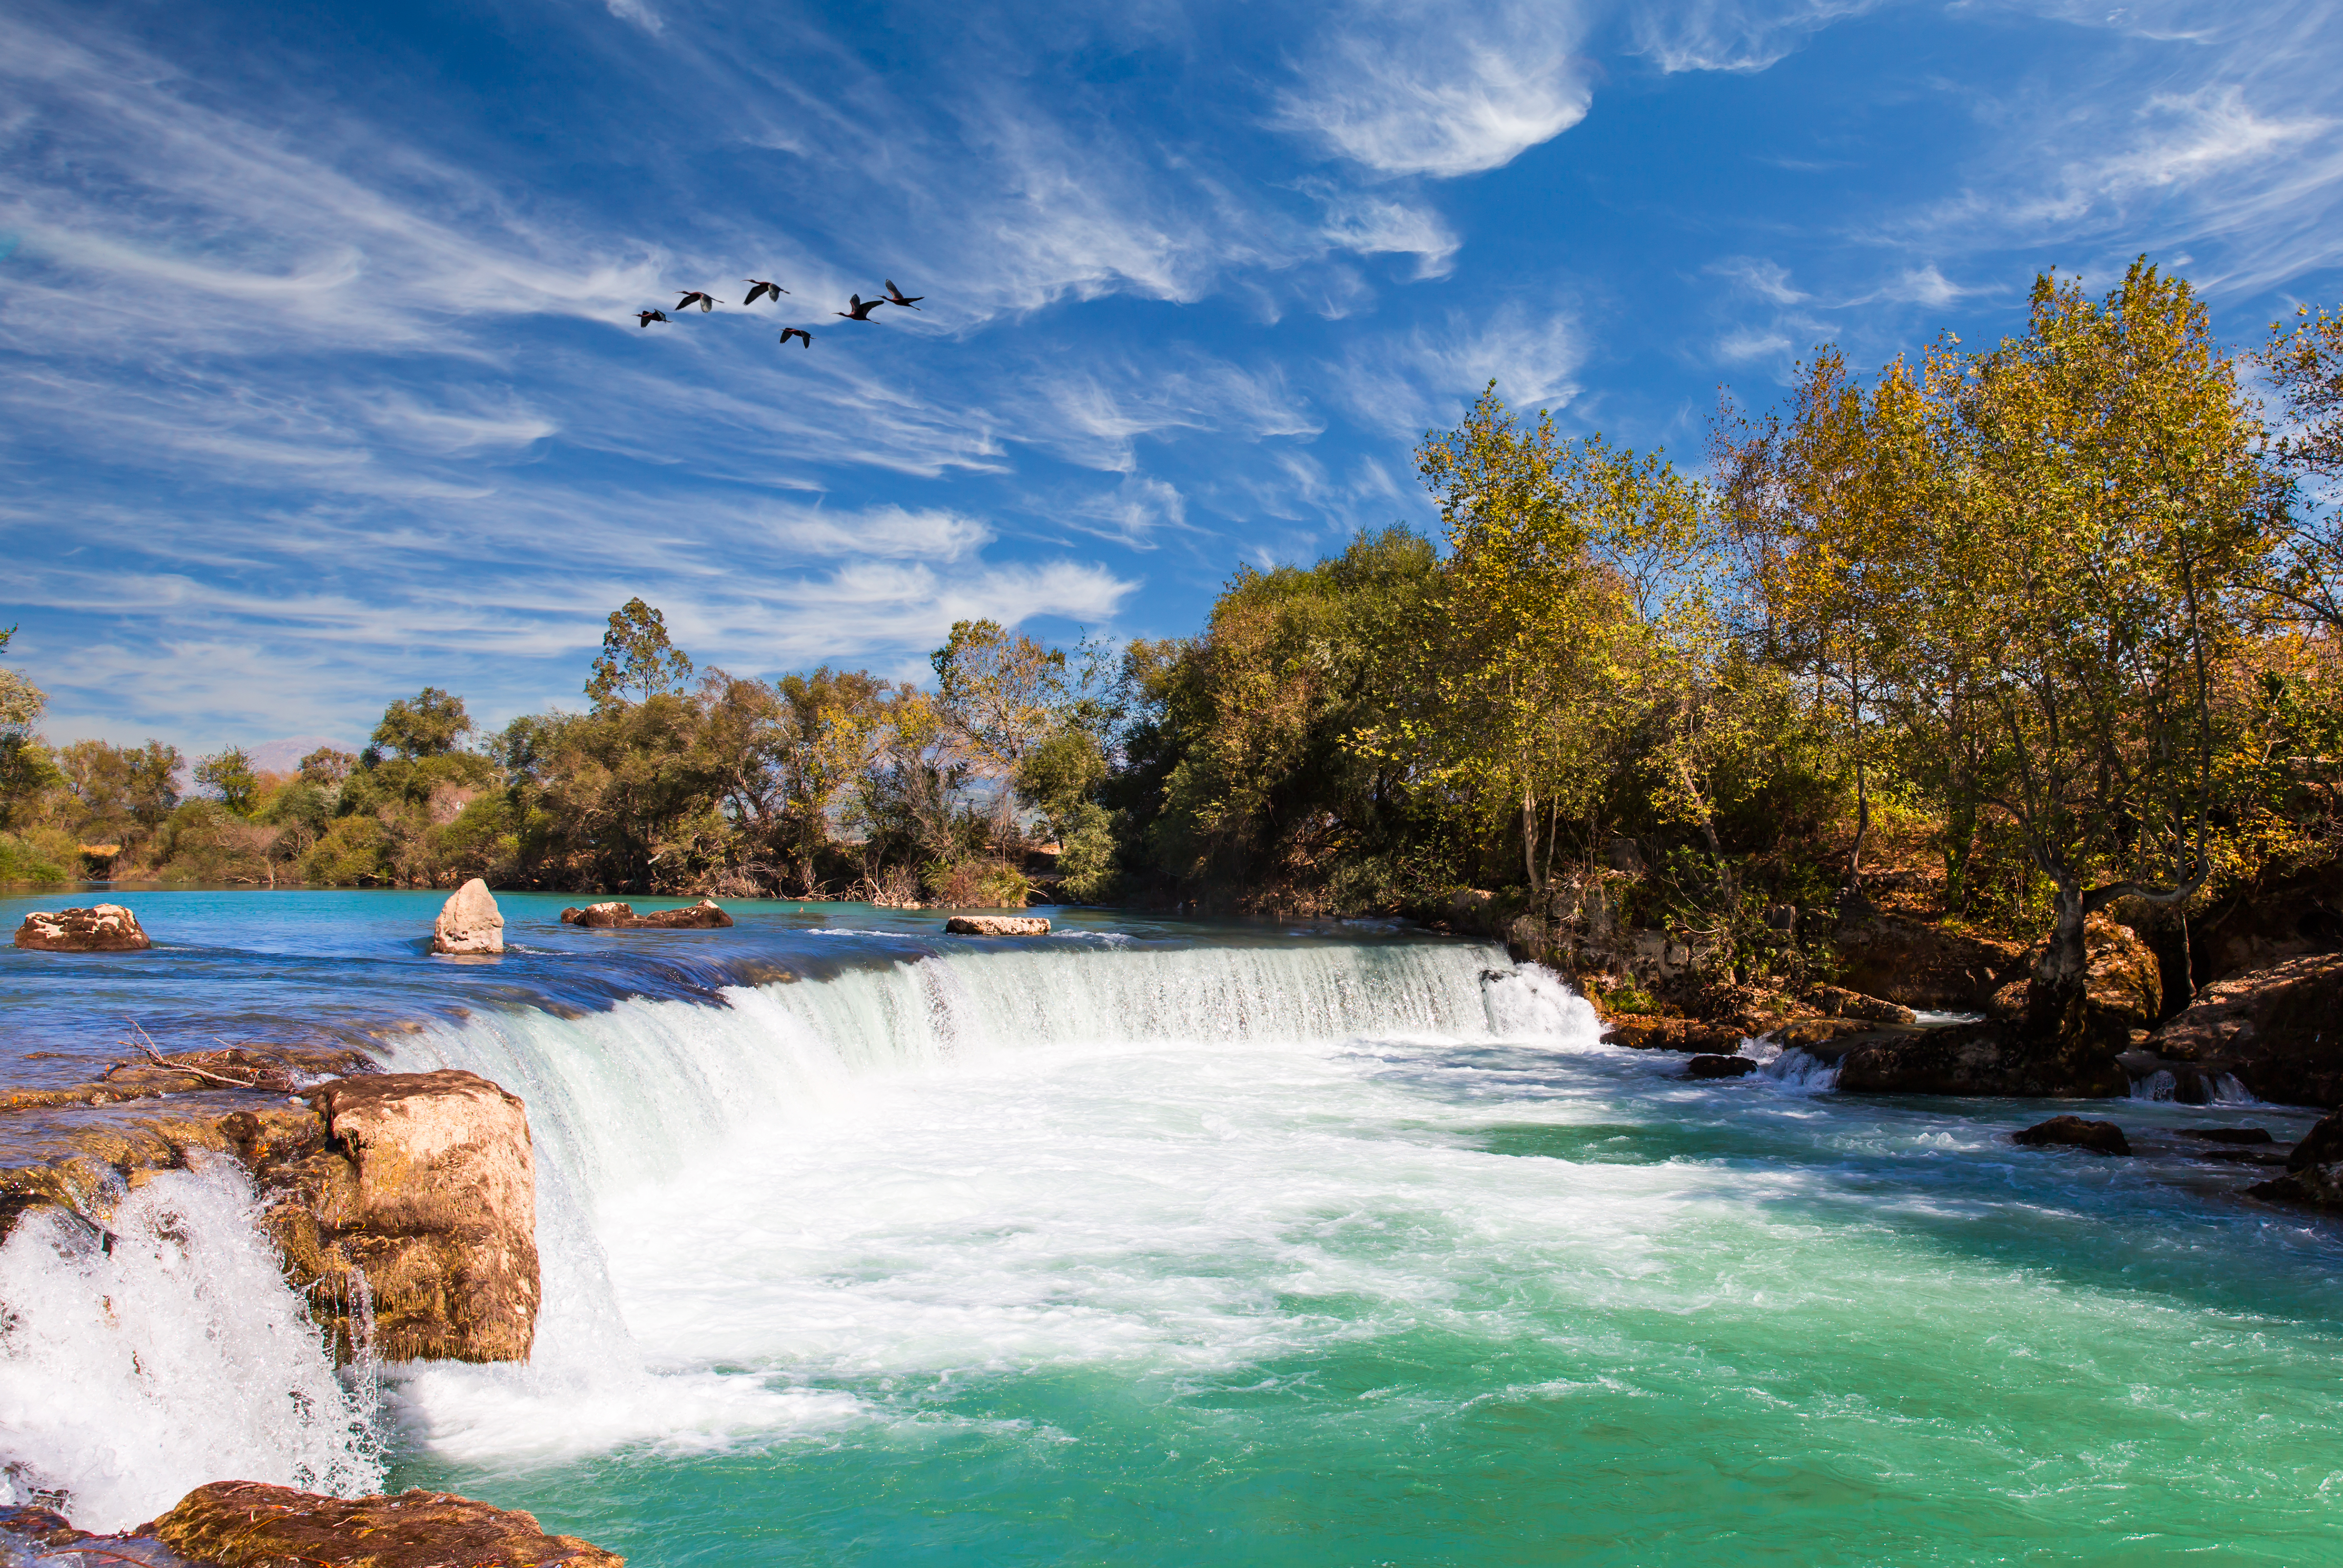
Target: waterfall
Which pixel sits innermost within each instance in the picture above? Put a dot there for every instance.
(136, 1367)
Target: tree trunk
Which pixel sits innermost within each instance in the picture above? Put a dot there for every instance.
(2065, 966)
(1530, 843)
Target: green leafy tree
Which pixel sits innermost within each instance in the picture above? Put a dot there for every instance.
(636, 658)
(229, 776)
(27, 771)
(431, 723)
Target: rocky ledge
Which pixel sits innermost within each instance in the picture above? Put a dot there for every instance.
(998, 926)
(423, 1184)
(249, 1524)
(703, 916)
(105, 929)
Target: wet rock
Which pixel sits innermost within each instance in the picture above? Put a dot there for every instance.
(469, 923)
(435, 1200)
(273, 1069)
(1977, 1059)
(1719, 1066)
(249, 1524)
(2075, 1132)
(998, 926)
(1806, 1034)
(704, 915)
(1638, 1033)
(103, 929)
(2314, 1172)
(2228, 1134)
(1837, 1001)
(2270, 1027)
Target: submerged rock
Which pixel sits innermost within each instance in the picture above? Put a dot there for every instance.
(469, 923)
(251, 1525)
(703, 916)
(103, 929)
(998, 926)
(1719, 1066)
(2270, 1029)
(2228, 1134)
(2075, 1132)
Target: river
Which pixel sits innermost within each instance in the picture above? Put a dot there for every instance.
(1158, 1241)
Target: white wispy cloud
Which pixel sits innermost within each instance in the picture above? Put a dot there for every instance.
(1410, 89)
(1743, 35)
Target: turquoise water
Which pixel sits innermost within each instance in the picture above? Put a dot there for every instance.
(1238, 1245)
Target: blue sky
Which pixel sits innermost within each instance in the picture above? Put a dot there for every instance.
(321, 382)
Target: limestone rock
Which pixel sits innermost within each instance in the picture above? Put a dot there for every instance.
(2075, 1132)
(250, 1524)
(441, 1216)
(105, 929)
(1978, 1059)
(1837, 1001)
(1719, 1066)
(2270, 1027)
(703, 916)
(998, 926)
(469, 923)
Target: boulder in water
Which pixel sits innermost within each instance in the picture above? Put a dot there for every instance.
(703, 916)
(2314, 1172)
(2228, 1134)
(2075, 1132)
(998, 926)
(469, 923)
(1719, 1066)
(251, 1525)
(1975, 1059)
(105, 929)
(2270, 1026)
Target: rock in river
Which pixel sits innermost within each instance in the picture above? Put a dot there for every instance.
(998, 926)
(703, 916)
(251, 1525)
(107, 929)
(2075, 1132)
(1719, 1066)
(469, 923)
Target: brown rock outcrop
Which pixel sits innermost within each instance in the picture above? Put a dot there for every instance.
(429, 1190)
(249, 1524)
(420, 1183)
(998, 926)
(1978, 1059)
(1922, 966)
(2314, 1170)
(1719, 1066)
(103, 929)
(1637, 1032)
(2075, 1132)
(469, 922)
(703, 916)
(2270, 1027)
(1837, 1001)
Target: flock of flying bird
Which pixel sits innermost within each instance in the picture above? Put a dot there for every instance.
(858, 308)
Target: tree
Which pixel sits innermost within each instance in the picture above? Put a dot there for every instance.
(431, 723)
(2304, 368)
(1572, 564)
(26, 769)
(637, 656)
(327, 765)
(833, 723)
(997, 693)
(2103, 523)
(115, 788)
(229, 776)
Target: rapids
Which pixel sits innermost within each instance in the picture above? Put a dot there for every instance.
(1163, 1242)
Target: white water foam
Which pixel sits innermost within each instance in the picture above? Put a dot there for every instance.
(986, 1158)
(132, 1372)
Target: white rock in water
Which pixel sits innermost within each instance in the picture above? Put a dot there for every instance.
(107, 929)
(468, 922)
(998, 926)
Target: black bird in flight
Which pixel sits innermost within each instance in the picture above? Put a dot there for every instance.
(708, 302)
(896, 297)
(861, 308)
(797, 332)
(645, 317)
(759, 287)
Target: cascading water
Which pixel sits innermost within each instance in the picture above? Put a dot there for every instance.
(137, 1366)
